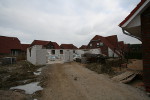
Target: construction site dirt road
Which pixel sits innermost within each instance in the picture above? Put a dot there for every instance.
(72, 81)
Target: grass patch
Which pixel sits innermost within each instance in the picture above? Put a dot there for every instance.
(15, 74)
(106, 68)
(100, 69)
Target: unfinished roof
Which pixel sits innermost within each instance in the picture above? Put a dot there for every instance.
(8, 43)
(68, 46)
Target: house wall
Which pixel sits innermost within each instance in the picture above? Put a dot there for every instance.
(103, 49)
(111, 53)
(57, 52)
(68, 55)
(36, 55)
(31, 55)
(80, 52)
(145, 28)
(92, 51)
(39, 56)
(95, 51)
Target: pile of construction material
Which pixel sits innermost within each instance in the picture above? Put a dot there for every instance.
(93, 58)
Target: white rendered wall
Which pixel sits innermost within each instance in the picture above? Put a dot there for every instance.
(79, 52)
(95, 51)
(111, 53)
(41, 57)
(38, 55)
(67, 55)
(31, 58)
(57, 53)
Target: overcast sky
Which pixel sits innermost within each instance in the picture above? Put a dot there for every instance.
(64, 21)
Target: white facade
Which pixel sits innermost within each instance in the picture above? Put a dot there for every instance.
(66, 56)
(39, 56)
(80, 52)
(36, 55)
(111, 53)
(95, 51)
(92, 51)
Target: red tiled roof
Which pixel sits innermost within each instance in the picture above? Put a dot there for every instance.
(56, 46)
(24, 47)
(68, 46)
(132, 12)
(39, 42)
(108, 41)
(113, 40)
(83, 47)
(8, 43)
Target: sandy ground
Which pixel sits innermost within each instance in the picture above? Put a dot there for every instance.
(72, 81)
(136, 64)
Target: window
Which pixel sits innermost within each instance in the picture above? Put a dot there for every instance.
(91, 45)
(53, 51)
(101, 44)
(61, 51)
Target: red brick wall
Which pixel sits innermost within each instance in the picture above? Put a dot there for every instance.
(145, 30)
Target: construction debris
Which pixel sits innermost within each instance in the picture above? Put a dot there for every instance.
(125, 77)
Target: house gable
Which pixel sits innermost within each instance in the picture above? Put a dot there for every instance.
(131, 25)
(39, 42)
(52, 45)
(108, 42)
(68, 46)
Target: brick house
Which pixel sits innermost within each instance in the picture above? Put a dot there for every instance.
(107, 45)
(136, 24)
(10, 46)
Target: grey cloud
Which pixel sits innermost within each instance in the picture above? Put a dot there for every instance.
(63, 21)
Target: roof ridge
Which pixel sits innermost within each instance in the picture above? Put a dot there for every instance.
(8, 36)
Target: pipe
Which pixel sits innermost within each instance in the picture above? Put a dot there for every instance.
(127, 33)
